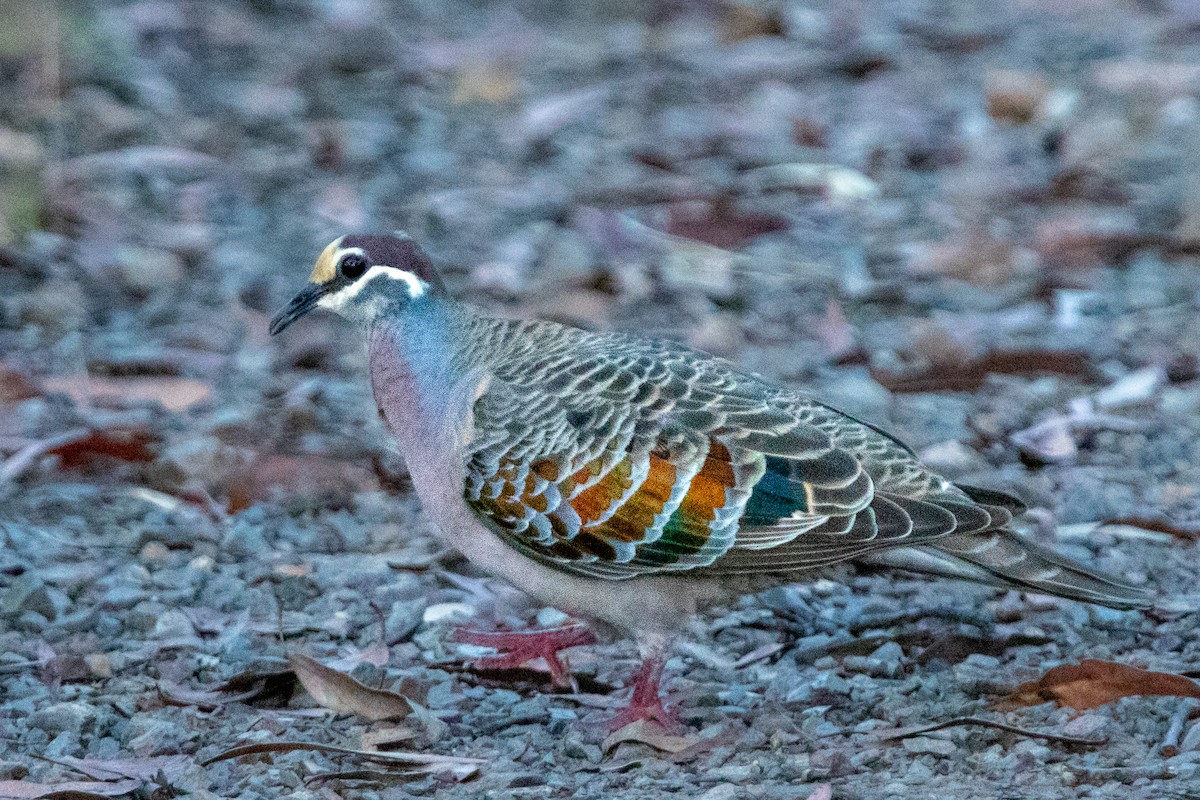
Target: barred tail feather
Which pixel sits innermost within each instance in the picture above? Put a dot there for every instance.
(1010, 559)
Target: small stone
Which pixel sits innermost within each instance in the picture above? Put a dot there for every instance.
(722, 791)
(440, 613)
(918, 772)
(202, 564)
(99, 664)
(736, 773)
(19, 149)
(551, 618)
(952, 457)
(154, 551)
(61, 305)
(1191, 739)
(62, 717)
(173, 625)
(1086, 726)
(154, 737)
(147, 268)
(929, 744)
(982, 662)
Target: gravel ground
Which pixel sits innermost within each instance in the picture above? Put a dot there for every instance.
(975, 223)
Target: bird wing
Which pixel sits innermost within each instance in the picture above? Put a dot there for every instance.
(616, 457)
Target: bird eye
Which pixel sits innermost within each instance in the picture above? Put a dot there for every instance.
(352, 266)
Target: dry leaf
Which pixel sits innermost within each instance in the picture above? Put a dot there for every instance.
(1093, 683)
(250, 687)
(339, 692)
(648, 732)
(75, 790)
(144, 769)
(405, 764)
(173, 394)
(125, 444)
(722, 226)
(332, 480)
(969, 376)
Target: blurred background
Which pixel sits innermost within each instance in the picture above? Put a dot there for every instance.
(976, 223)
(886, 202)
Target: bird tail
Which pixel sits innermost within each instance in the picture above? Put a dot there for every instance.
(1004, 558)
(1016, 560)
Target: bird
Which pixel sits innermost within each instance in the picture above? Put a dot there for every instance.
(633, 482)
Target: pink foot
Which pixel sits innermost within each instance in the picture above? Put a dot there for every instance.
(646, 702)
(519, 647)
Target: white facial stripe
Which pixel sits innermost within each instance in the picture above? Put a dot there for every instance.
(339, 299)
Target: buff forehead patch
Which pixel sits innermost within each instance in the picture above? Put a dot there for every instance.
(326, 267)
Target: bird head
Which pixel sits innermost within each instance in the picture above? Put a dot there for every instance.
(361, 277)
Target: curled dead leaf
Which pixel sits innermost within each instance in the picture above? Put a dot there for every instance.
(76, 790)
(1094, 683)
(650, 733)
(402, 764)
(340, 692)
(250, 687)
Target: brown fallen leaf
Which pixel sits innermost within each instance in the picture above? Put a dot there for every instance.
(722, 226)
(405, 764)
(1093, 683)
(270, 689)
(969, 375)
(173, 394)
(124, 444)
(651, 733)
(69, 790)
(340, 692)
(331, 480)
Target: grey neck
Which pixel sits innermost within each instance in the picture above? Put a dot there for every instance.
(417, 365)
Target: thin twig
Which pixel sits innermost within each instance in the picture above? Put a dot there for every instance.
(906, 733)
(1179, 718)
(20, 462)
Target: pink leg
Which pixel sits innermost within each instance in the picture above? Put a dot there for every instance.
(518, 647)
(646, 702)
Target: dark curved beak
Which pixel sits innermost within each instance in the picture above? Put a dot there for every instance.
(300, 305)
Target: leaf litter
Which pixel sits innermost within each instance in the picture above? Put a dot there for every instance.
(404, 765)
(342, 693)
(1093, 683)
